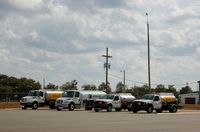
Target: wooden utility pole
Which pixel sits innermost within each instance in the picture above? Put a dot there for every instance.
(106, 65)
(148, 43)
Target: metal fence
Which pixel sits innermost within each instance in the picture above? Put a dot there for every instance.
(7, 97)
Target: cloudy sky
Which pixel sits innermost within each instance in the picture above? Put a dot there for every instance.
(63, 40)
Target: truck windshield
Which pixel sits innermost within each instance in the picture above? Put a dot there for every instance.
(32, 93)
(68, 94)
(108, 97)
(148, 97)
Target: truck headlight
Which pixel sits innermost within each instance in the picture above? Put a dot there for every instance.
(65, 102)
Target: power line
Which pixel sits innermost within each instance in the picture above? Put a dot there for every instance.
(154, 84)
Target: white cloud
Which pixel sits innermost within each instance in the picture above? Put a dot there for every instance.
(62, 40)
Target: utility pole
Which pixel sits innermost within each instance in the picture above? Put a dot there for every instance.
(148, 43)
(124, 79)
(199, 91)
(43, 83)
(107, 65)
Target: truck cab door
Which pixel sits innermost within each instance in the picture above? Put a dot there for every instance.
(77, 98)
(116, 102)
(40, 97)
(157, 104)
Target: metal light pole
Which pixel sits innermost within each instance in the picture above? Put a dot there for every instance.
(124, 79)
(148, 43)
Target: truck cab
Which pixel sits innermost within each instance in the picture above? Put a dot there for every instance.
(149, 102)
(70, 99)
(34, 99)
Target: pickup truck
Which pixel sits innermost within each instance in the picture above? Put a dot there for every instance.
(117, 101)
(157, 102)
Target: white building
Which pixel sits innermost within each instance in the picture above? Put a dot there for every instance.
(190, 98)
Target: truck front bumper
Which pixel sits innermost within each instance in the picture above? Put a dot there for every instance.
(139, 106)
(25, 104)
(100, 105)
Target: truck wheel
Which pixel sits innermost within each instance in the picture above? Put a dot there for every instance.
(71, 106)
(24, 108)
(159, 110)
(135, 111)
(34, 105)
(52, 105)
(118, 109)
(129, 109)
(173, 109)
(109, 109)
(88, 108)
(149, 109)
(96, 110)
(58, 109)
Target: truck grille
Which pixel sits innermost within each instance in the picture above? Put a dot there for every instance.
(59, 101)
(23, 100)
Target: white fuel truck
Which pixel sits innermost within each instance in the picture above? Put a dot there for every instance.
(40, 98)
(117, 101)
(74, 99)
(157, 102)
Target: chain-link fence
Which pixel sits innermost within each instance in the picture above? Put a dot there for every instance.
(7, 97)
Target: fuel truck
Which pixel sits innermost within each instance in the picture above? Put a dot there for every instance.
(158, 102)
(74, 99)
(114, 101)
(40, 98)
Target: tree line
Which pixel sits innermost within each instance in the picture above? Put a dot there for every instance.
(10, 84)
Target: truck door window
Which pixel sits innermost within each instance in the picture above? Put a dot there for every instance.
(156, 98)
(116, 98)
(41, 94)
(76, 94)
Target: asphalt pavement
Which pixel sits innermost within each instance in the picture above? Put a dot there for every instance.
(45, 120)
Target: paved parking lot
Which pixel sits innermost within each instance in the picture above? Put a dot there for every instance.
(45, 120)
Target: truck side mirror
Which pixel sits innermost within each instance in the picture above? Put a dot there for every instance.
(116, 98)
(156, 98)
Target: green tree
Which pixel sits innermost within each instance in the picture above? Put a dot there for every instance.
(89, 87)
(120, 88)
(160, 88)
(5, 89)
(28, 84)
(185, 90)
(102, 87)
(51, 86)
(70, 85)
(14, 84)
(138, 92)
(171, 89)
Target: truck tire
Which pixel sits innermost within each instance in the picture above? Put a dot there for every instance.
(129, 109)
(24, 107)
(118, 109)
(135, 111)
(88, 108)
(52, 105)
(58, 109)
(71, 106)
(149, 109)
(173, 109)
(109, 109)
(159, 110)
(96, 110)
(34, 105)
